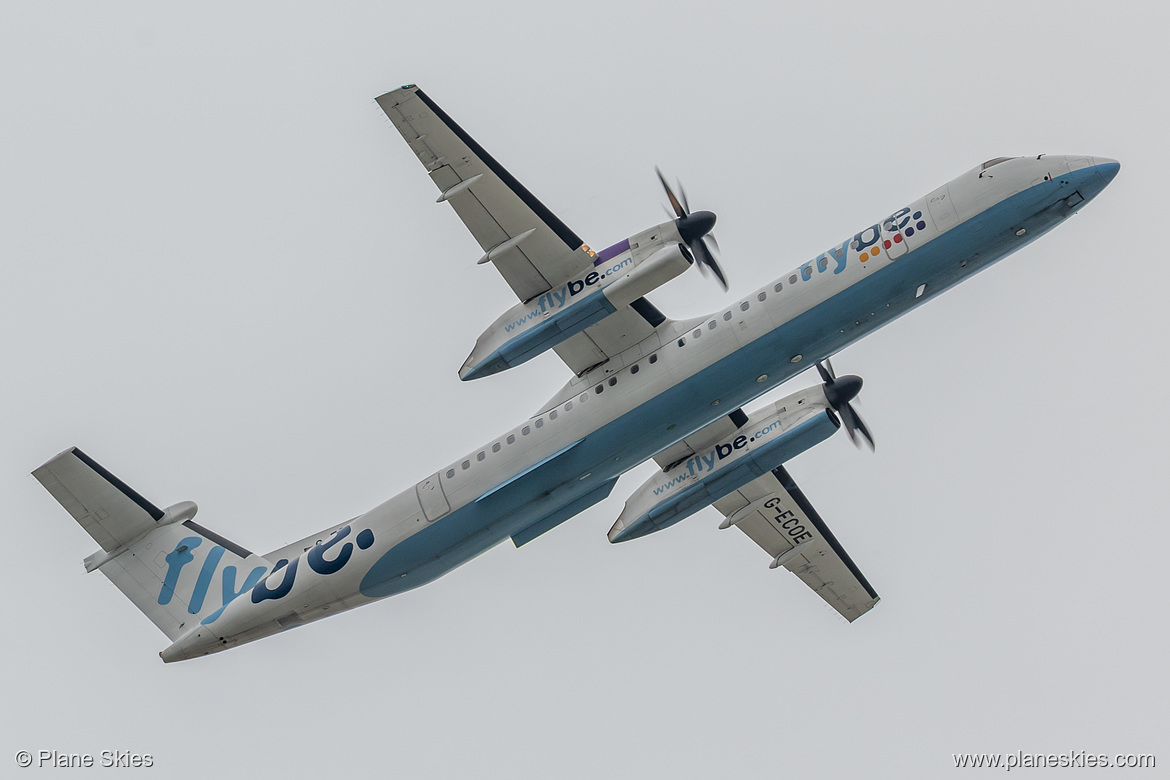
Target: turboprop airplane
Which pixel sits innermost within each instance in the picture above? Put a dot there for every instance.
(643, 386)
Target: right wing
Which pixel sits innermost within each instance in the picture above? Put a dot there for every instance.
(775, 514)
(533, 250)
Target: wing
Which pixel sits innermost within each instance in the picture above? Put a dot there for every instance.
(531, 247)
(496, 208)
(775, 514)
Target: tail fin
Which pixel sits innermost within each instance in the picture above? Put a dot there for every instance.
(176, 572)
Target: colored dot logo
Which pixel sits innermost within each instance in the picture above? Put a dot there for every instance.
(919, 224)
(901, 225)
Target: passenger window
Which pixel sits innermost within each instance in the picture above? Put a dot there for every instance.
(569, 406)
(480, 456)
(697, 333)
(634, 369)
(496, 447)
(466, 465)
(792, 279)
(599, 389)
(450, 473)
(743, 306)
(779, 286)
(711, 325)
(525, 430)
(822, 263)
(552, 415)
(682, 342)
(654, 358)
(762, 296)
(539, 422)
(726, 316)
(584, 397)
(612, 381)
(511, 438)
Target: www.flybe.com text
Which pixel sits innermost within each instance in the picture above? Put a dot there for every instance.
(556, 299)
(706, 461)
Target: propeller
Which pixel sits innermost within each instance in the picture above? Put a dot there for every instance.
(694, 226)
(839, 392)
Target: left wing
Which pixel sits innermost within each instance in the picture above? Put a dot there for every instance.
(528, 243)
(775, 514)
(533, 249)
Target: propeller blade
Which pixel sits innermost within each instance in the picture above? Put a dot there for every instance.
(863, 429)
(849, 422)
(839, 393)
(711, 237)
(678, 209)
(693, 227)
(704, 257)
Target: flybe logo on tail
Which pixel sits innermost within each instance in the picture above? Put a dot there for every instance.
(182, 555)
(322, 558)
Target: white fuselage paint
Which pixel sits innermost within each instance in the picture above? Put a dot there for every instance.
(569, 455)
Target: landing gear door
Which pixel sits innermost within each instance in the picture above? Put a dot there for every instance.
(430, 495)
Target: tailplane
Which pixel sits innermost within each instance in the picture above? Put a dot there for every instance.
(176, 572)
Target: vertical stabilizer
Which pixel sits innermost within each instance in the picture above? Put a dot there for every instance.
(175, 571)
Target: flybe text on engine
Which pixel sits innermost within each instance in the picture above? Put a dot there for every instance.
(619, 276)
(772, 436)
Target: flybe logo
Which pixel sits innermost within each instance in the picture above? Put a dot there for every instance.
(866, 245)
(322, 558)
(554, 300)
(708, 461)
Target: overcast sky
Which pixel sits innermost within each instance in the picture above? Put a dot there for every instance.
(226, 279)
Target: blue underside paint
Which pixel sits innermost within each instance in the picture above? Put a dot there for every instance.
(561, 515)
(684, 408)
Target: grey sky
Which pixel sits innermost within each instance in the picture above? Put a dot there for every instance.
(227, 281)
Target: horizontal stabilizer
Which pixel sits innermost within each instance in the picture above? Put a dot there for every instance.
(107, 508)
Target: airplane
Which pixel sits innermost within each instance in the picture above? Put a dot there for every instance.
(643, 386)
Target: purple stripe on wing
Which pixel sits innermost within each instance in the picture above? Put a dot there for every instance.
(608, 254)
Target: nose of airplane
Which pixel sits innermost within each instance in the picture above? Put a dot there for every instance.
(1106, 168)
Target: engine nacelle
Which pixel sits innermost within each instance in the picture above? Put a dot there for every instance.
(620, 275)
(773, 435)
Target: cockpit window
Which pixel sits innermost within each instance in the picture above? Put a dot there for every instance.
(996, 161)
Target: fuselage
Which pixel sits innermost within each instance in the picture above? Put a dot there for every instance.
(688, 374)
